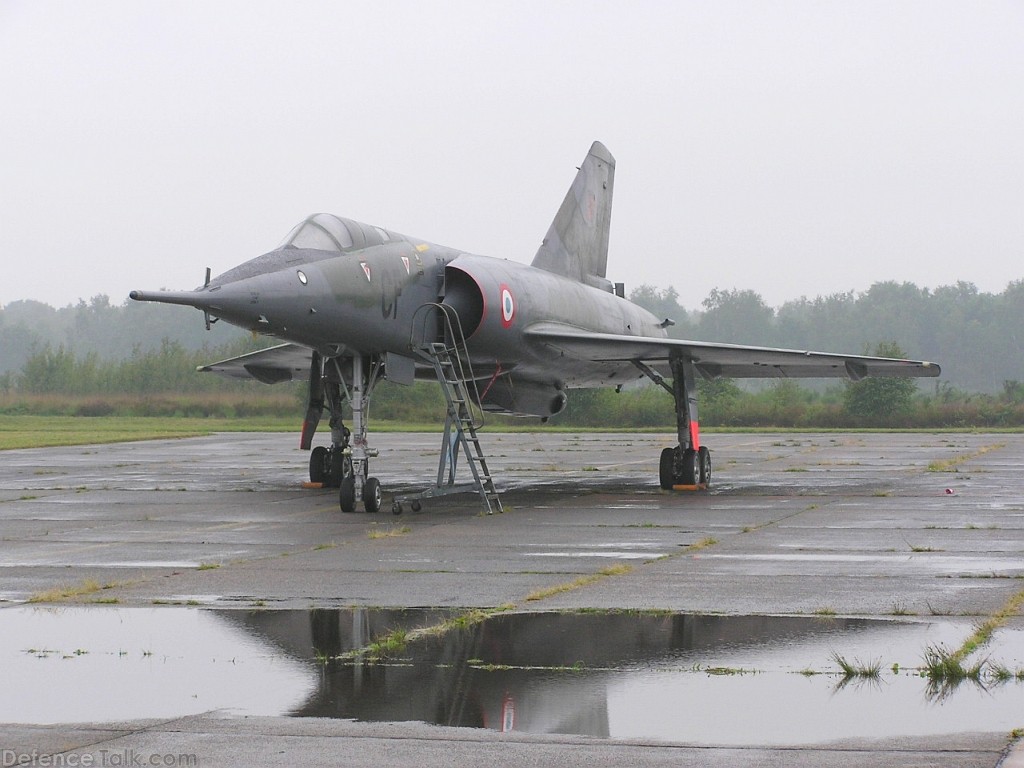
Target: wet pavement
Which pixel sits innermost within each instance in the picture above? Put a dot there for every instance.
(201, 591)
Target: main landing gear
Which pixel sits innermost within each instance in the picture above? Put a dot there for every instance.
(345, 464)
(685, 466)
(329, 466)
(689, 463)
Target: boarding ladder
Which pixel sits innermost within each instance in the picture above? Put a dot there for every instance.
(454, 373)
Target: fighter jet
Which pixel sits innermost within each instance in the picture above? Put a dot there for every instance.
(356, 304)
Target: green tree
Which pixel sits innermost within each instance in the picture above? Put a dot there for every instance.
(718, 400)
(48, 371)
(1013, 392)
(880, 402)
(738, 317)
(662, 304)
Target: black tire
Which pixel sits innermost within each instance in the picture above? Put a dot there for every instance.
(347, 494)
(704, 460)
(318, 465)
(371, 495)
(336, 470)
(666, 469)
(691, 467)
(396, 508)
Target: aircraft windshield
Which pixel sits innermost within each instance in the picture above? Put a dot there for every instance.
(322, 232)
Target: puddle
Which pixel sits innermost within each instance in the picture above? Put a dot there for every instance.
(80, 664)
(688, 678)
(112, 564)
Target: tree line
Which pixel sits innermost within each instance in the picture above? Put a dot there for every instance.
(109, 332)
(976, 337)
(96, 357)
(164, 382)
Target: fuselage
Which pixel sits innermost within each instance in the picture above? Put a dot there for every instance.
(339, 286)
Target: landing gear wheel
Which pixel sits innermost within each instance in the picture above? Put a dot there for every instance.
(691, 467)
(416, 506)
(371, 495)
(347, 494)
(318, 465)
(666, 469)
(396, 508)
(340, 466)
(704, 461)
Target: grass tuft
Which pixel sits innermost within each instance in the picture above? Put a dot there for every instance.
(707, 541)
(388, 645)
(389, 533)
(944, 665)
(858, 669)
(899, 608)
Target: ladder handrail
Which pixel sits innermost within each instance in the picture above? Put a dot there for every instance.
(462, 359)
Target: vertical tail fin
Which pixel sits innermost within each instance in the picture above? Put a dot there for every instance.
(576, 245)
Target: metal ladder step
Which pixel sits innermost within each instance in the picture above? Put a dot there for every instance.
(449, 370)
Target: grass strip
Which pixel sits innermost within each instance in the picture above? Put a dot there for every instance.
(582, 581)
(946, 667)
(950, 465)
(43, 431)
(66, 591)
(395, 641)
(982, 634)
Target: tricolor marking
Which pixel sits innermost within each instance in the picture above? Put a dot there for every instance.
(508, 306)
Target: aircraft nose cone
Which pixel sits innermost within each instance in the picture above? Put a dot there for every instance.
(184, 298)
(242, 302)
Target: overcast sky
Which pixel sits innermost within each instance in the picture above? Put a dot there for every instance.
(793, 148)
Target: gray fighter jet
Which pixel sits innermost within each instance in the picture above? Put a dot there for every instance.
(358, 303)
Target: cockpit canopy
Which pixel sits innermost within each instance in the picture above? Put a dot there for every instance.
(327, 232)
(320, 236)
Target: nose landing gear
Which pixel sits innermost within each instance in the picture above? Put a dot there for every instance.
(345, 465)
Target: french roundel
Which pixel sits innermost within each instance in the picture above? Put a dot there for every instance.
(508, 306)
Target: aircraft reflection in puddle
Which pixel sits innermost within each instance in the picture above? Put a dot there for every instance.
(726, 680)
(609, 674)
